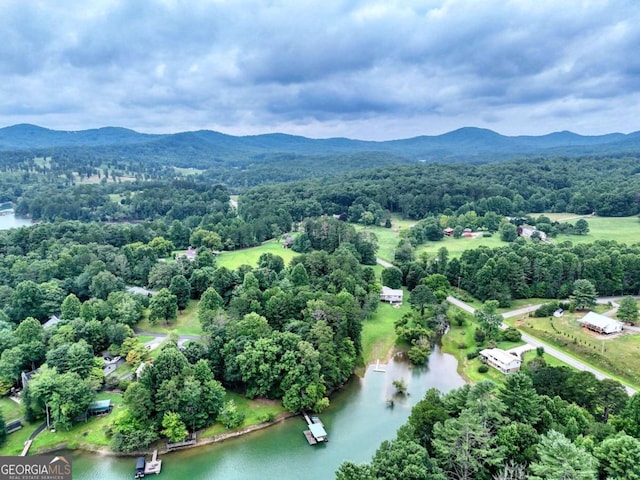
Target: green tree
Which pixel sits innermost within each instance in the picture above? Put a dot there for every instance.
(351, 471)
(619, 457)
(395, 460)
(521, 399)
(230, 416)
(581, 227)
(104, 283)
(508, 232)
(3, 429)
(173, 427)
(70, 308)
(392, 277)
(420, 297)
(560, 459)
(299, 276)
(464, 447)
(584, 294)
(182, 290)
(163, 306)
(628, 310)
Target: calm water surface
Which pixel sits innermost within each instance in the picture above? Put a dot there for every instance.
(357, 421)
(9, 220)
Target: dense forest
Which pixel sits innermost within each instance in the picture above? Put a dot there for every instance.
(543, 423)
(108, 221)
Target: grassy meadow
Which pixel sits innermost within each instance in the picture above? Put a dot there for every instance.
(186, 324)
(617, 354)
(249, 256)
(378, 331)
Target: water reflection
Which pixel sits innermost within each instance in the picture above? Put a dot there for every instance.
(357, 421)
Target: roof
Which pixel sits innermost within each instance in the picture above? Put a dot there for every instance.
(600, 321)
(99, 405)
(317, 430)
(51, 322)
(141, 291)
(500, 356)
(391, 291)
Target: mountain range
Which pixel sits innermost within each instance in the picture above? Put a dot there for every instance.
(467, 143)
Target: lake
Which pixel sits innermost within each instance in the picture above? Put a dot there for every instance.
(357, 421)
(9, 220)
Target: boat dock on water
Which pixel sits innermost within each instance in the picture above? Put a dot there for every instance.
(146, 468)
(316, 432)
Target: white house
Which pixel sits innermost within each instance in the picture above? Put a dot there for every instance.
(501, 360)
(600, 323)
(390, 295)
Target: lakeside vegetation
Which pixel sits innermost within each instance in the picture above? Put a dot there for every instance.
(272, 329)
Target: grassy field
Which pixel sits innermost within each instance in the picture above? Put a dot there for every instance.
(250, 256)
(616, 355)
(255, 411)
(459, 341)
(186, 324)
(620, 229)
(15, 440)
(455, 246)
(10, 410)
(90, 432)
(378, 331)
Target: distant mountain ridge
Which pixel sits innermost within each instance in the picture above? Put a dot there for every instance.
(468, 143)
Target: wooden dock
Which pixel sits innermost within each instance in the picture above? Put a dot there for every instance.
(377, 368)
(154, 466)
(316, 432)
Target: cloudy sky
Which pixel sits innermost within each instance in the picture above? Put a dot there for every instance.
(353, 68)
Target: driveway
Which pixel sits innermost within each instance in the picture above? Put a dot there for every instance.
(554, 352)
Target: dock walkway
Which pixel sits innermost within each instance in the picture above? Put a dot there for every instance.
(316, 432)
(154, 466)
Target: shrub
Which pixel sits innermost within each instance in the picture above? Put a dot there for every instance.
(472, 355)
(483, 368)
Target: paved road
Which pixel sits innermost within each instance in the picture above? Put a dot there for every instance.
(554, 352)
(384, 263)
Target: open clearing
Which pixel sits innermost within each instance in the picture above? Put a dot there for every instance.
(378, 331)
(617, 354)
(186, 324)
(249, 256)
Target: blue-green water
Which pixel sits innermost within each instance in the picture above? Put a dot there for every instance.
(357, 421)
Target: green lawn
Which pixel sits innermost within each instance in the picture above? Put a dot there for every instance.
(458, 342)
(378, 331)
(10, 410)
(90, 432)
(455, 246)
(250, 256)
(255, 412)
(620, 229)
(388, 238)
(616, 356)
(15, 440)
(186, 324)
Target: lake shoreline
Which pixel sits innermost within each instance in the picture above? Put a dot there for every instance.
(101, 450)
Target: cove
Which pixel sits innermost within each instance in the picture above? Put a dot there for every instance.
(9, 220)
(357, 421)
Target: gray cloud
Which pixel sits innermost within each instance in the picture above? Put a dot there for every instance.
(364, 69)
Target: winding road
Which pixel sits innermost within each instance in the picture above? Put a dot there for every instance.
(554, 352)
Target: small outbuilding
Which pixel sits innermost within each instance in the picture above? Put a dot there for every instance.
(501, 360)
(99, 407)
(391, 295)
(601, 324)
